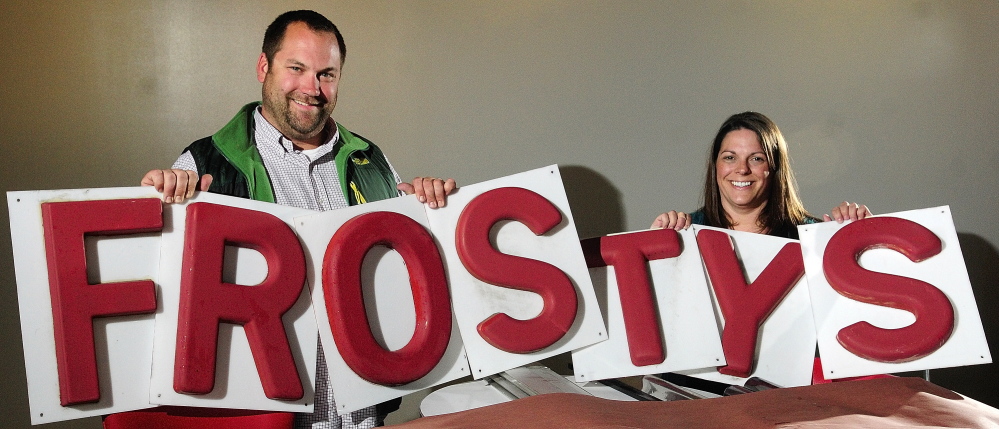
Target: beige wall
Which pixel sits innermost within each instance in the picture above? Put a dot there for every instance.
(891, 103)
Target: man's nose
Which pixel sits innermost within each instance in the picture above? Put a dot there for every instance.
(310, 86)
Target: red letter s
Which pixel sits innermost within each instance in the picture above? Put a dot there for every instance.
(934, 312)
(490, 266)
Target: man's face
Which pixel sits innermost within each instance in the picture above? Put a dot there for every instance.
(300, 84)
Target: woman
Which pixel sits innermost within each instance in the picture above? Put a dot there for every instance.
(749, 185)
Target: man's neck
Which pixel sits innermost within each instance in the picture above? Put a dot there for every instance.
(312, 143)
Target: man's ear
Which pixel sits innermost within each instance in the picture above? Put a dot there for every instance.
(262, 67)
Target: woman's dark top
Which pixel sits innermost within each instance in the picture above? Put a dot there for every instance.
(697, 218)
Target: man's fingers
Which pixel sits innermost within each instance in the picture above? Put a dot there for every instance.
(419, 190)
(432, 191)
(184, 185)
(429, 190)
(153, 178)
(169, 186)
(189, 186)
(176, 185)
(446, 186)
(206, 182)
(437, 185)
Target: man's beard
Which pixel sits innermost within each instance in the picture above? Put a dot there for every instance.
(297, 127)
(307, 126)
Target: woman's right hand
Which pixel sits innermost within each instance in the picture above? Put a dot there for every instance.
(672, 220)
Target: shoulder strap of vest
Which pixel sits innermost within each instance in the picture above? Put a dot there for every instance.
(226, 179)
(235, 142)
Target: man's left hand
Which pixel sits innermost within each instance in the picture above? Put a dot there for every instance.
(430, 190)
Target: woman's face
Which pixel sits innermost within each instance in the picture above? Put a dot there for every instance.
(742, 172)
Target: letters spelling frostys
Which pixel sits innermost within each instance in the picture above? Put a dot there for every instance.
(204, 302)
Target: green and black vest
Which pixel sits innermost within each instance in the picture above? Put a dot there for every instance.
(231, 157)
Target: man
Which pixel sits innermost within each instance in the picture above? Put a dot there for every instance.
(288, 150)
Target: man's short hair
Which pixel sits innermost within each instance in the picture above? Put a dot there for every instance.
(314, 20)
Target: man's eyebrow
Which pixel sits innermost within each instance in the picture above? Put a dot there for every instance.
(294, 62)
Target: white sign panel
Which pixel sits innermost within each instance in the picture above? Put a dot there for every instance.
(786, 341)
(388, 299)
(123, 344)
(687, 323)
(476, 300)
(237, 383)
(942, 270)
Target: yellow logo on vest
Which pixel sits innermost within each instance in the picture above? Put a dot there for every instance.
(361, 161)
(357, 193)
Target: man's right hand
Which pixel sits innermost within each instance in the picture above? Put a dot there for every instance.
(176, 185)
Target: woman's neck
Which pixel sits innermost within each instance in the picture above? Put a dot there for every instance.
(747, 220)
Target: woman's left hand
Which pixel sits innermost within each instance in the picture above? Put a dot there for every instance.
(848, 211)
(672, 220)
